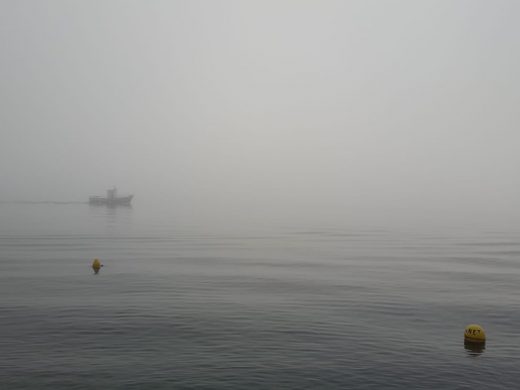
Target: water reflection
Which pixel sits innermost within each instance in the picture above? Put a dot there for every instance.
(111, 216)
(474, 349)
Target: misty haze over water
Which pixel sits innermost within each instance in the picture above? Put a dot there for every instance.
(336, 110)
(326, 193)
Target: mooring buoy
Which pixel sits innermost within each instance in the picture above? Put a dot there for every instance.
(474, 334)
(96, 265)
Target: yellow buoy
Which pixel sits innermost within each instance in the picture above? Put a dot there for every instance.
(474, 334)
(96, 265)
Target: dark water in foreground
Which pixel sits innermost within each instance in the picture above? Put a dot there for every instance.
(185, 307)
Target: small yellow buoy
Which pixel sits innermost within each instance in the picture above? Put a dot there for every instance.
(474, 334)
(96, 265)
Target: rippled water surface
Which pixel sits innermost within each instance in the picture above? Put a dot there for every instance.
(181, 306)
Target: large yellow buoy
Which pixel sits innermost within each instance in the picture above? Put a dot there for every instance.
(96, 265)
(474, 334)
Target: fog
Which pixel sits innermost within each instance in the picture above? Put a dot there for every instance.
(306, 111)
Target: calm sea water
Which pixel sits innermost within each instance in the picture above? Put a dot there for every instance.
(184, 306)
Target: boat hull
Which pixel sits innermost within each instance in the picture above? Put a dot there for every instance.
(100, 200)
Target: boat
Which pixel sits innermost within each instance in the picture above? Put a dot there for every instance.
(111, 199)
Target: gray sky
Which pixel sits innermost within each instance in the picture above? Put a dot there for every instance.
(333, 110)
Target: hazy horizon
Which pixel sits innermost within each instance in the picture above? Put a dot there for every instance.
(326, 194)
(313, 110)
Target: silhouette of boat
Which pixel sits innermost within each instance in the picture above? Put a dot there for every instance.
(111, 199)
